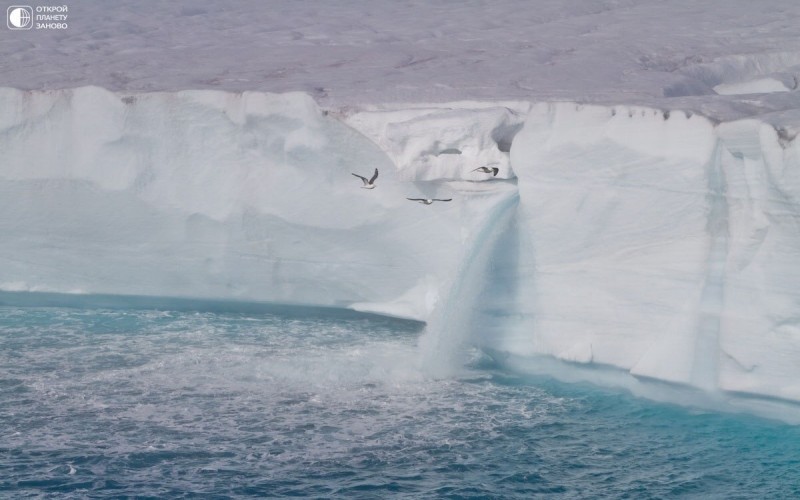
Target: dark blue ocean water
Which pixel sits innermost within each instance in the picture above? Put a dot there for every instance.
(108, 403)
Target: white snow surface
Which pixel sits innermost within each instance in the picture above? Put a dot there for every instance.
(360, 52)
(646, 213)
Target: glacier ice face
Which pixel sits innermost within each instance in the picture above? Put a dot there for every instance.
(603, 219)
(759, 339)
(211, 194)
(659, 242)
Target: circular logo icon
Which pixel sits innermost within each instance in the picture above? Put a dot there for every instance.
(20, 18)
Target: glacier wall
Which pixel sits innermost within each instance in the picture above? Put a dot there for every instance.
(661, 243)
(215, 195)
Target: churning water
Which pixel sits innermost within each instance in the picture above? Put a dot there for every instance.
(120, 402)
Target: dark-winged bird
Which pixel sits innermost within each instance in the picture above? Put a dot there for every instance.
(368, 183)
(428, 201)
(487, 170)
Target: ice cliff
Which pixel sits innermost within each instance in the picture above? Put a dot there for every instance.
(661, 242)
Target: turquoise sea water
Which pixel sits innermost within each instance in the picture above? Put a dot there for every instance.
(121, 402)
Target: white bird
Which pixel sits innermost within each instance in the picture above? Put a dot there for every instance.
(428, 201)
(487, 170)
(368, 184)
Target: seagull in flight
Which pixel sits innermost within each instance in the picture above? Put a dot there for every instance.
(368, 183)
(428, 201)
(488, 170)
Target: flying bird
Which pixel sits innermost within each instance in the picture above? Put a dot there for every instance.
(428, 201)
(487, 170)
(368, 183)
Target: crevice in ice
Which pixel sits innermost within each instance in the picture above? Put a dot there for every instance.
(504, 135)
(747, 368)
(705, 368)
(785, 136)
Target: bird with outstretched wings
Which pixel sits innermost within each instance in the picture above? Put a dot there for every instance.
(428, 201)
(368, 183)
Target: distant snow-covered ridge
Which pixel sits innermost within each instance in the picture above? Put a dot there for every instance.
(657, 241)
